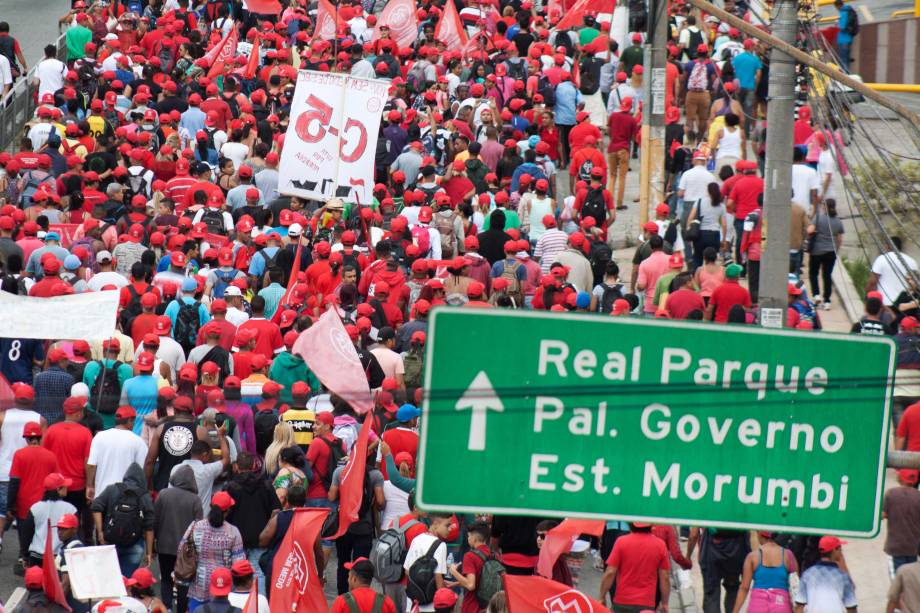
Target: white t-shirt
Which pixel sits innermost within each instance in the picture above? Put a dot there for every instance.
(397, 505)
(109, 277)
(112, 452)
(419, 547)
(237, 152)
(38, 134)
(50, 73)
(389, 361)
(804, 180)
(238, 600)
(6, 73)
(826, 166)
(892, 275)
(694, 183)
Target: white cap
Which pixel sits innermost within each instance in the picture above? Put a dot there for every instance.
(104, 256)
(295, 229)
(232, 290)
(111, 36)
(79, 390)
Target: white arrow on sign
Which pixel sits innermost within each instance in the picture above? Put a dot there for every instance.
(479, 397)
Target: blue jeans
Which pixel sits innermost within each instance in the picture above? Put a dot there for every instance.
(129, 557)
(843, 50)
(253, 556)
(900, 561)
(194, 604)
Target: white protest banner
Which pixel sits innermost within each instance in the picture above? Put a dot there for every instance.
(331, 140)
(78, 316)
(94, 572)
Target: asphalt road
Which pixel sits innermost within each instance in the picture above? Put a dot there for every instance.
(34, 24)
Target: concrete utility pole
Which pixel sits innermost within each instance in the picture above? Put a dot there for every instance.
(778, 175)
(651, 168)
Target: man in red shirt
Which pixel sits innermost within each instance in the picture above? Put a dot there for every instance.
(31, 465)
(178, 185)
(584, 161)
(907, 437)
(477, 535)
(639, 563)
(216, 109)
(51, 284)
(361, 596)
(402, 436)
(594, 195)
(319, 455)
(683, 301)
(727, 295)
(219, 320)
(457, 185)
(268, 334)
(583, 129)
(622, 127)
(91, 194)
(69, 441)
(742, 200)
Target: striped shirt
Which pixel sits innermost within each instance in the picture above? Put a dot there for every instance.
(549, 245)
(272, 295)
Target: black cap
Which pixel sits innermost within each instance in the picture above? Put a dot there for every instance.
(386, 333)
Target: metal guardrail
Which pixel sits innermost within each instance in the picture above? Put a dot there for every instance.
(18, 106)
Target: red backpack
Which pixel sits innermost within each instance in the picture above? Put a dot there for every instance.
(422, 239)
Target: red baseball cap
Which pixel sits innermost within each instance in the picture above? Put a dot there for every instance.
(828, 544)
(56, 480)
(125, 412)
(221, 579)
(32, 429)
(145, 361)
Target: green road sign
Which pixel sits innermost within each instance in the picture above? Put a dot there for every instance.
(587, 416)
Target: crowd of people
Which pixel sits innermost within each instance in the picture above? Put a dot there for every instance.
(190, 437)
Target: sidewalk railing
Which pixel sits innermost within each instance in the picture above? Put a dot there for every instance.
(18, 105)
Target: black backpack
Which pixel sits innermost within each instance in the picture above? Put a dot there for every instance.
(546, 89)
(611, 294)
(106, 392)
(336, 453)
(852, 27)
(214, 220)
(517, 70)
(132, 310)
(590, 71)
(125, 523)
(595, 206)
(422, 584)
(188, 322)
(696, 39)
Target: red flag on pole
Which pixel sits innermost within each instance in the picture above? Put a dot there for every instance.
(574, 17)
(292, 281)
(52, 583)
(450, 30)
(264, 7)
(295, 582)
(559, 540)
(528, 594)
(326, 21)
(330, 354)
(400, 16)
(351, 485)
(249, 70)
(252, 602)
(221, 53)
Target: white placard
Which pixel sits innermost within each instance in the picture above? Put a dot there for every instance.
(78, 316)
(771, 317)
(94, 572)
(331, 141)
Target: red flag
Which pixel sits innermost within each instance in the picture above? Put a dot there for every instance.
(292, 281)
(559, 540)
(221, 53)
(449, 29)
(351, 485)
(528, 594)
(400, 16)
(574, 16)
(52, 582)
(252, 603)
(326, 21)
(264, 7)
(249, 70)
(330, 354)
(295, 582)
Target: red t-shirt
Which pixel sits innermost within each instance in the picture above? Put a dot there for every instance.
(400, 439)
(744, 194)
(909, 427)
(318, 457)
(31, 465)
(622, 127)
(227, 334)
(726, 296)
(364, 598)
(70, 442)
(269, 336)
(142, 325)
(242, 364)
(580, 131)
(638, 557)
(457, 188)
(586, 154)
(682, 302)
(472, 565)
